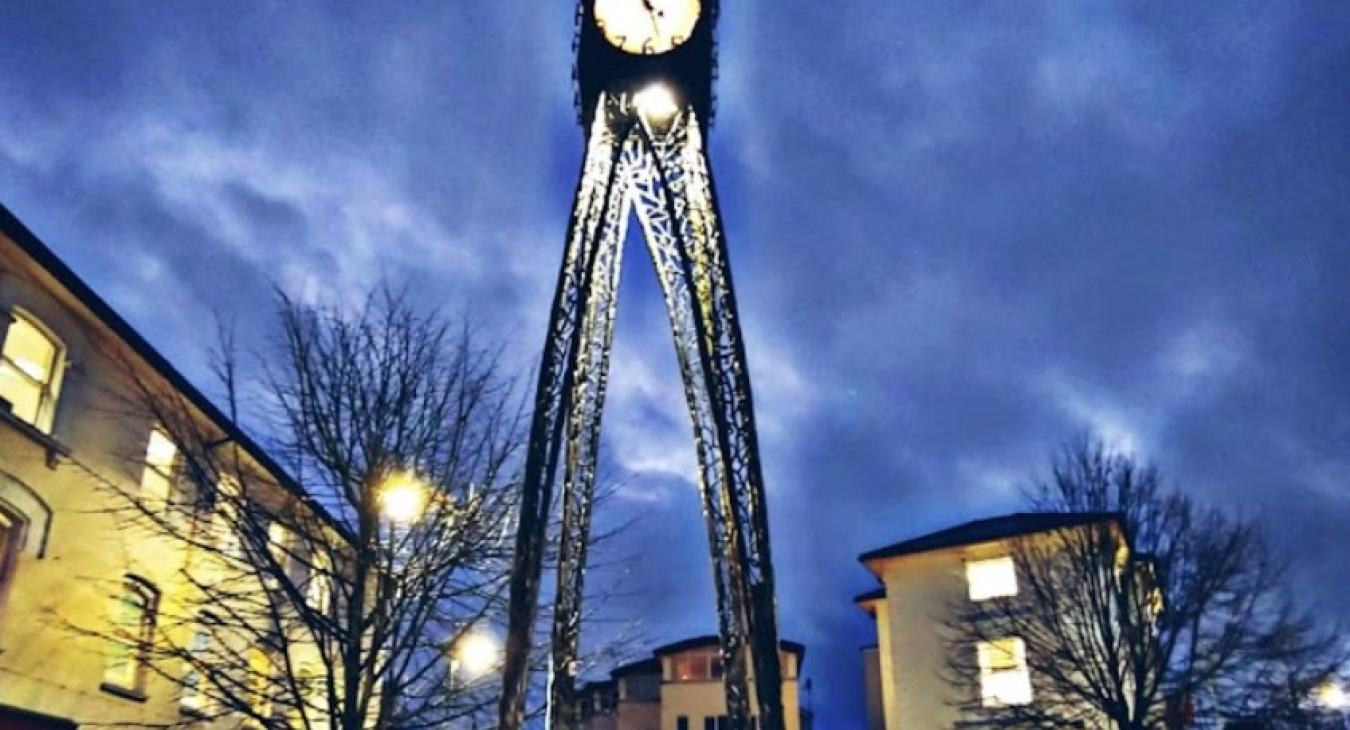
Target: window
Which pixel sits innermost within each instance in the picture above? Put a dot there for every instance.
(225, 518)
(279, 540)
(30, 372)
(193, 699)
(279, 545)
(319, 589)
(260, 681)
(1004, 679)
(312, 700)
(11, 532)
(681, 723)
(696, 666)
(157, 478)
(992, 578)
(133, 627)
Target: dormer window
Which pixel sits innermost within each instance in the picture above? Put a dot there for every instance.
(992, 578)
(30, 371)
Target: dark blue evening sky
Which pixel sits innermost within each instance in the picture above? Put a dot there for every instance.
(963, 232)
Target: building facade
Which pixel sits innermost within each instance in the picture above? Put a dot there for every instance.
(82, 589)
(928, 582)
(680, 688)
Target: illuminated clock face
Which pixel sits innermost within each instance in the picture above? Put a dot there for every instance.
(647, 27)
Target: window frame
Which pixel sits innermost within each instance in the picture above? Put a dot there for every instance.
(319, 579)
(262, 672)
(49, 391)
(13, 531)
(979, 574)
(167, 472)
(132, 682)
(990, 697)
(191, 698)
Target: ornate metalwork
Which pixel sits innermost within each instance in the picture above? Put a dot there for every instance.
(657, 168)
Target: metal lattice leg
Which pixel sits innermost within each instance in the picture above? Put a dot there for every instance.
(707, 253)
(553, 400)
(684, 235)
(583, 434)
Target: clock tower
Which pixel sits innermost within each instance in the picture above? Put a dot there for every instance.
(625, 46)
(644, 91)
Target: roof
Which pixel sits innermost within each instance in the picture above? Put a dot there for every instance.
(988, 530)
(15, 230)
(872, 595)
(650, 664)
(713, 640)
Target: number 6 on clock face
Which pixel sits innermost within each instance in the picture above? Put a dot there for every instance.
(647, 27)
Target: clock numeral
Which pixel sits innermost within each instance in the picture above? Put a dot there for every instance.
(648, 47)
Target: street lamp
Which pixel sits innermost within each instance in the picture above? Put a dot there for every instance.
(1332, 696)
(402, 498)
(477, 653)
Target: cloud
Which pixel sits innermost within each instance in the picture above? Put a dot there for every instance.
(961, 233)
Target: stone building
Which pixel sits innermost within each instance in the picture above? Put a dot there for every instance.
(74, 573)
(924, 582)
(680, 688)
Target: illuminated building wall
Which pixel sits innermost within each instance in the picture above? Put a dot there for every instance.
(71, 568)
(680, 688)
(923, 582)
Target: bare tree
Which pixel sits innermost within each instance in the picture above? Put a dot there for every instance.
(354, 582)
(1161, 612)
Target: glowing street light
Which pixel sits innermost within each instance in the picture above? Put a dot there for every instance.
(1332, 696)
(402, 498)
(476, 653)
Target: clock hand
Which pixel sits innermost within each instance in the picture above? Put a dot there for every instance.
(653, 13)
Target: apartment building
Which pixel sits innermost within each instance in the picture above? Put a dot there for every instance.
(680, 688)
(81, 588)
(925, 583)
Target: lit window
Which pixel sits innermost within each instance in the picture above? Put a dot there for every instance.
(225, 517)
(133, 622)
(319, 589)
(157, 478)
(29, 372)
(260, 681)
(311, 701)
(692, 666)
(991, 578)
(279, 544)
(1004, 679)
(193, 698)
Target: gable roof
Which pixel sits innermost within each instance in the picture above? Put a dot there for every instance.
(713, 640)
(989, 530)
(14, 229)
